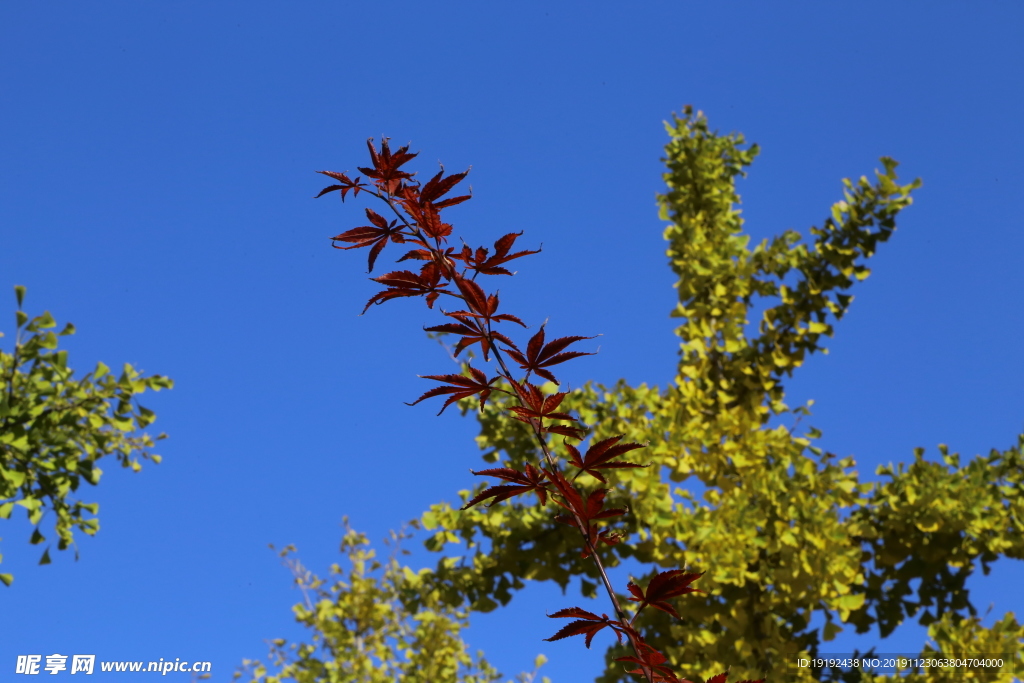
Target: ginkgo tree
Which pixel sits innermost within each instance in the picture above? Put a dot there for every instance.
(781, 530)
(55, 429)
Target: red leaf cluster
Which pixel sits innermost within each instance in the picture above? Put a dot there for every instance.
(530, 479)
(491, 265)
(540, 355)
(652, 660)
(664, 586)
(460, 386)
(374, 236)
(401, 283)
(584, 511)
(385, 165)
(600, 455)
(535, 406)
(587, 623)
(347, 185)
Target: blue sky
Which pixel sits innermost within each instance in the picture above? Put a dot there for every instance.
(156, 183)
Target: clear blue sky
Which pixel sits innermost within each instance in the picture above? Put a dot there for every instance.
(156, 180)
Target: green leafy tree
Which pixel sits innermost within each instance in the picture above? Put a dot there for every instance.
(54, 429)
(373, 621)
(785, 530)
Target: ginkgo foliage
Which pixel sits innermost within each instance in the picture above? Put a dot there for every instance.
(55, 429)
(782, 531)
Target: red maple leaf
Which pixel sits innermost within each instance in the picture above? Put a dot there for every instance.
(662, 587)
(472, 331)
(347, 184)
(421, 205)
(407, 283)
(539, 356)
(572, 499)
(376, 235)
(584, 512)
(587, 624)
(385, 166)
(599, 455)
(438, 186)
(594, 509)
(428, 217)
(578, 433)
(444, 257)
(537, 407)
(491, 265)
(482, 305)
(531, 479)
(653, 660)
(417, 254)
(460, 387)
(475, 326)
(474, 296)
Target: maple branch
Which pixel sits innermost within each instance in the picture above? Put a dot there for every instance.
(418, 210)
